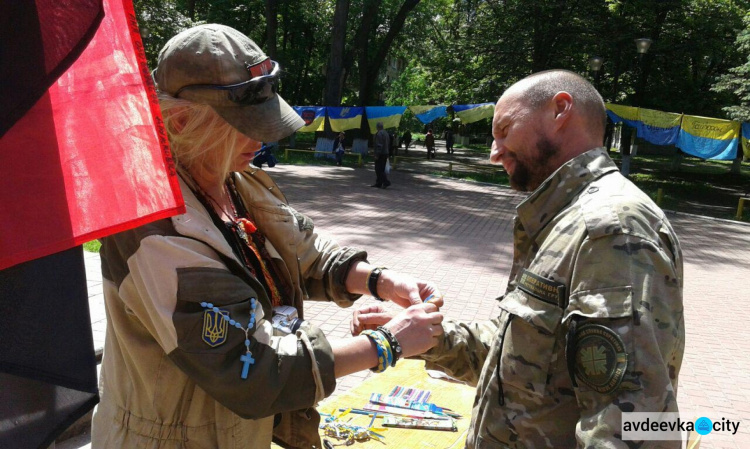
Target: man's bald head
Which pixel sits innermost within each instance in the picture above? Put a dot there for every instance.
(538, 89)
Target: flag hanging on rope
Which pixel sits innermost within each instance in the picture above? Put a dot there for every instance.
(389, 116)
(344, 118)
(657, 127)
(428, 114)
(625, 114)
(314, 117)
(470, 113)
(746, 139)
(709, 138)
(90, 157)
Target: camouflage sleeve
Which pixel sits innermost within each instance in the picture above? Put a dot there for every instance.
(626, 333)
(462, 350)
(324, 264)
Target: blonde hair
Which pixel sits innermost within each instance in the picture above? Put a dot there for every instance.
(201, 141)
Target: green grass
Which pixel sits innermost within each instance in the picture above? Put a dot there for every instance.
(298, 158)
(92, 246)
(500, 178)
(474, 148)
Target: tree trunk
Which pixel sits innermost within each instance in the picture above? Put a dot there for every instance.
(191, 9)
(362, 47)
(373, 67)
(335, 67)
(272, 25)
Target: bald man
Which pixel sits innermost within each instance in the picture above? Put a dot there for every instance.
(591, 324)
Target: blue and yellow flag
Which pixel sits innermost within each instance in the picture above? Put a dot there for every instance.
(344, 118)
(428, 114)
(314, 117)
(390, 116)
(709, 138)
(657, 127)
(625, 114)
(746, 140)
(470, 113)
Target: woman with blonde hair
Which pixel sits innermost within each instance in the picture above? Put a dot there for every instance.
(206, 340)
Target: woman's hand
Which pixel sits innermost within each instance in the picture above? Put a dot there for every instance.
(404, 290)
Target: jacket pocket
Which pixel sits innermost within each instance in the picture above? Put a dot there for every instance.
(529, 341)
(603, 319)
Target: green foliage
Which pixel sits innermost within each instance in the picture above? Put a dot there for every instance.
(158, 22)
(737, 81)
(469, 51)
(92, 246)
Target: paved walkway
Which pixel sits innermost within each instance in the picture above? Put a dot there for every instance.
(459, 235)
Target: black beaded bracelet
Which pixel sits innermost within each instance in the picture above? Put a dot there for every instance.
(372, 282)
(395, 345)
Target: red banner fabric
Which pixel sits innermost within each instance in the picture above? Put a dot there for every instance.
(91, 157)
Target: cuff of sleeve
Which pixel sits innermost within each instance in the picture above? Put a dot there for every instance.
(321, 356)
(338, 273)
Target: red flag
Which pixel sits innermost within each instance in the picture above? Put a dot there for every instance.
(91, 157)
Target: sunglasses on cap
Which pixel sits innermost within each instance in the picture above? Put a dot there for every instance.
(256, 90)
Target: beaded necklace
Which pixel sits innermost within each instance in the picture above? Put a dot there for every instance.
(247, 358)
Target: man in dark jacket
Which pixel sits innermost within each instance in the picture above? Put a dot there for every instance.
(381, 145)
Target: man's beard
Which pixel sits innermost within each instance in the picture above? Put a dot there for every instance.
(531, 172)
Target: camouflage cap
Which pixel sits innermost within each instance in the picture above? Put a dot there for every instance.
(219, 66)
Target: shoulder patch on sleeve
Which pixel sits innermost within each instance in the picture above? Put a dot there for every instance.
(600, 358)
(545, 289)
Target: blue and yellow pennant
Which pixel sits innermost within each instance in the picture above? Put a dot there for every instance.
(657, 127)
(709, 138)
(428, 114)
(470, 113)
(625, 114)
(314, 117)
(389, 116)
(344, 118)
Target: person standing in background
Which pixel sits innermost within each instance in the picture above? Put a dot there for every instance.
(339, 148)
(429, 143)
(381, 147)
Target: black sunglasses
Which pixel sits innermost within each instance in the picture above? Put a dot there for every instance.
(257, 90)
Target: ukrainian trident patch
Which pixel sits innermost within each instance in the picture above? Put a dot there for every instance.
(215, 327)
(600, 358)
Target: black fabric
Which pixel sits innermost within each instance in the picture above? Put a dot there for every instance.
(47, 363)
(381, 179)
(40, 40)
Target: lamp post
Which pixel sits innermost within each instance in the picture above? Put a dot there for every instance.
(595, 64)
(642, 45)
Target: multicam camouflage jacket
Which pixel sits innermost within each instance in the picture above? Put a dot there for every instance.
(591, 324)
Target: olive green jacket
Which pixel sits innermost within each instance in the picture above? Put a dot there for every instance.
(171, 370)
(591, 324)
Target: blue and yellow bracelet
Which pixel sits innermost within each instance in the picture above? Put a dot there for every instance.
(385, 353)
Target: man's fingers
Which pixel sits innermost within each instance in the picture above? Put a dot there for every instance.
(374, 318)
(437, 300)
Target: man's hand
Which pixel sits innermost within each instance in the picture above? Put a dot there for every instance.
(374, 315)
(417, 328)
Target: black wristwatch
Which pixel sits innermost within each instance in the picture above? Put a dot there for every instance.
(372, 282)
